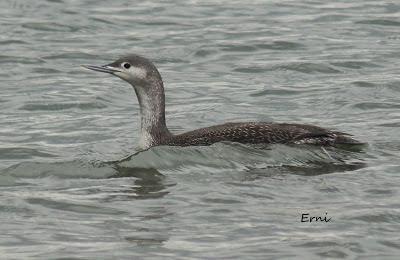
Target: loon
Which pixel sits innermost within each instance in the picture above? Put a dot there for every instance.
(143, 75)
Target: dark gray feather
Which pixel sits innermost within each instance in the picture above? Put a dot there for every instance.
(261, 133)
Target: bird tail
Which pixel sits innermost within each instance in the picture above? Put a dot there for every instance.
(343, 138)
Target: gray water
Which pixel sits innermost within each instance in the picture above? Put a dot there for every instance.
(73, 187)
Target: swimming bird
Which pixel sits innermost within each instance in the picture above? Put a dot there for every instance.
(143, 75)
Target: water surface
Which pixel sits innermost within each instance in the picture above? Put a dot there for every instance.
(72, 185)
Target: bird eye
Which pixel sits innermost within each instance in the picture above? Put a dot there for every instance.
(126, 65)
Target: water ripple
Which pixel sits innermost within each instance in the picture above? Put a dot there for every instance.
(50, 26)
(62, 106)
(20, 60)
(22, 153)
(12, 42)
(281, 45)
(355, 64)
(72, 207)
(383, 22)
(71, 55)
(305, 67)
(376, 105)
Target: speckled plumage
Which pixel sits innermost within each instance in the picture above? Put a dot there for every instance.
(149, 88)
(260, 133)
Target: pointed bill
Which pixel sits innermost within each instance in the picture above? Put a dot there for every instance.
(105, 68)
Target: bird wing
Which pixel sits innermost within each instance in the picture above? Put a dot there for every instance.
(257, 133)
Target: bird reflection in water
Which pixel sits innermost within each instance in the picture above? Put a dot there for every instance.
(148, 182)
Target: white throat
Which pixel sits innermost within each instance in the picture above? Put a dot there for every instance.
(152, 116)
(148, 121)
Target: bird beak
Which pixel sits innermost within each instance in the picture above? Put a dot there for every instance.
(105, 68)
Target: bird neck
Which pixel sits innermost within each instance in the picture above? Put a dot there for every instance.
(152, 114)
